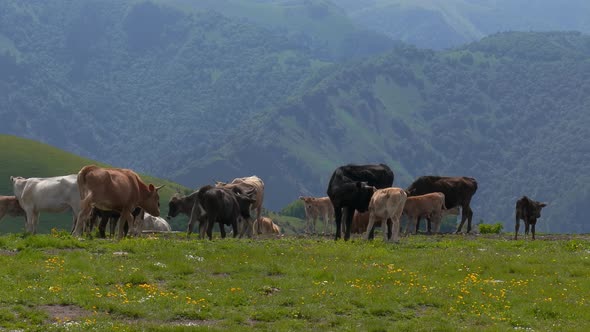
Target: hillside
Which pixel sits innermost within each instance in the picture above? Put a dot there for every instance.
(27, 158)
(450, 23)
(107, 80)
(510, 111)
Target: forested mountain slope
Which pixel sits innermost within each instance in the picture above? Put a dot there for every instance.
(511, 110)
(138, 83)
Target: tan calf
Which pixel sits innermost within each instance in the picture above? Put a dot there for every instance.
(387, 205)
(317, 208)
(429, 206)
(267, 226)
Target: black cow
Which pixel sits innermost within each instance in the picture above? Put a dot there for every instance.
(528, 210)
(351, 187)
(222, 205)
(458, 191)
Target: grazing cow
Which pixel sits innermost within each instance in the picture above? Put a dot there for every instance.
(386, 205)
(115, 189)
(267, 226)
(56, 194)
(317, 208)
(458, 191)
(351, 187)
(428, 206)
(218, 204)
(9, 206)
(528, 210)
(253, 187)
(157, 224)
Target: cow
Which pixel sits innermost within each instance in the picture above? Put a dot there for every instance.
(267, 226)
(55, 194)
(253, 187)
(458, 191)
(450, 212)
(428, 206)
(351, 187)
(115, 189)
(386, 205)
(528, 210)
(151, 223)
(317, 208)
(9, 206)
(181, 204)
(218, 204)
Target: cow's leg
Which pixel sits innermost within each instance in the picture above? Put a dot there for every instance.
(533, 229)
(102, 226)
(203, 224)
(338, 220)
(415, 222)
(125, 218)
(369, 233)
(234, 226)
(428, 225)
(222, 230)
(526, 228)
(83, 215)
(516, 226)
(210, 228)
(35, 222)
(464, 214)
(349, 215)
(469, 218)
(385, 227)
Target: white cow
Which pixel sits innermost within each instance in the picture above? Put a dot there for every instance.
(57, 194)
(151, 223)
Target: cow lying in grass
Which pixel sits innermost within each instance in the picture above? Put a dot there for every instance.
(386, 206)
(428, 206)
(266, 226)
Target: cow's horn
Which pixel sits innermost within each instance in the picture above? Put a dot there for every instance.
(160, 187)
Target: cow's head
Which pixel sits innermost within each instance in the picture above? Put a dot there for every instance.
(173, 206)
(536, 209)
(364, 192)
(307, 202)
(151, 203)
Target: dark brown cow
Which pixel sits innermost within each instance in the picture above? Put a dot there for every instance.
(528, 210)
(9, 206)
(360, 221)
(114, 189)
(458, 191)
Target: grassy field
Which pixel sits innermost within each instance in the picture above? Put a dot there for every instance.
(166, 282)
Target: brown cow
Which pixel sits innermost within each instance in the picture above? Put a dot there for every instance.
(114, 189)
(429, 206)
(528, 210)
(267, 226)
(9, 206)
(253, 187)
(317, 208)
(386, 205)
(360, 221)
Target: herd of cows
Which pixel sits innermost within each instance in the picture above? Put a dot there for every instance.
(359, 198)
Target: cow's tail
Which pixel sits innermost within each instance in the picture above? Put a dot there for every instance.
(82, 180)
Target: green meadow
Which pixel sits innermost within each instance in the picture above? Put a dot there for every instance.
(168, 282)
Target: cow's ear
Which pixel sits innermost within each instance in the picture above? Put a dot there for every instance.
(543, 204)
(151, 187)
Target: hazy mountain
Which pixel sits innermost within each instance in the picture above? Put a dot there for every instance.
(443, 24)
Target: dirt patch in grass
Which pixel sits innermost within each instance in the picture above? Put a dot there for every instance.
(64, 313)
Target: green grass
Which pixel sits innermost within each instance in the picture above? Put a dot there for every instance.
(28, 158)
(170, 283)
